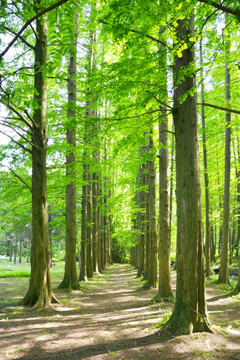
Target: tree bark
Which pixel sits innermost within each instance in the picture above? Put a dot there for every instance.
(70, 279)
(147, 228)
(40, 293)
(164, 280)
(189, 314)
(223, 271)
(83, 267)
(237, 289)
(89, 228)
(206, 182)
(152, 271)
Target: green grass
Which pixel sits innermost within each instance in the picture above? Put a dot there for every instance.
(14, 274)
(10, 270)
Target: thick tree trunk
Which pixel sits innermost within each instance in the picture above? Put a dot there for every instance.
(164, 281)
(189, 313)
(40, 293)
(70, 279)
(223, 271)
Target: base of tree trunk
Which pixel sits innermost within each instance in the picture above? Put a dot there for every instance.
(166, 298)
(236, 290)
(68, 284)
(43, 301)
(180, 324)
(148, 286)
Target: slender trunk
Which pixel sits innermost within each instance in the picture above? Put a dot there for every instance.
(237, 289)
(83, 267)
(164, 282)
(10, 250)
(89, 228)
(152, 271)
(238, 200)
(70, 279)
(206, 182)
(171, 180)
(20, 249)
(140, 224)
(223, 271)
(15, 249)
(147, 234)
(95, 222)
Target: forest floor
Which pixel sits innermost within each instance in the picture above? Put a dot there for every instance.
(112, 318)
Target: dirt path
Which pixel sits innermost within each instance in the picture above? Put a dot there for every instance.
(112, 319)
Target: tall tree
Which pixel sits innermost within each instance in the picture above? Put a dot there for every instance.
(70, 279)
(223, 271)
(152, 271)
(190, 312)
(164, 248)
(40, 292)
(206, 181)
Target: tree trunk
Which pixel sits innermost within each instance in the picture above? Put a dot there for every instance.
(141, 219)
(189, 313)
(164, 281)
(10, 249)
(171, 180)
(70, 279)
(83, 267)
(20, 249)
(152, 271)
(40, 293)
(89, 228)
(206, 182)
(147, 234)
(15, 249)
(223, 271)
(237, 289)
(95, 222)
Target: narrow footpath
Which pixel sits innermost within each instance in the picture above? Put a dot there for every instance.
(113, 318)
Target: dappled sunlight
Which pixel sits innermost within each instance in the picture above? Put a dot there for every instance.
(113, 318)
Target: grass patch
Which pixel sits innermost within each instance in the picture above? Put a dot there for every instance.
(14, 274)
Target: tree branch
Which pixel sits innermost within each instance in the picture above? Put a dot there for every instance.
(20, 37)
(224, 8)
(220, 108)
(44, 11)
(18, 177)
(136, 116)
(160, 102)
(138, 32)
(13, 128)
(21, 117)
(16, 142)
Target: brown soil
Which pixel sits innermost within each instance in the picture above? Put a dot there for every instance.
(113, 319)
